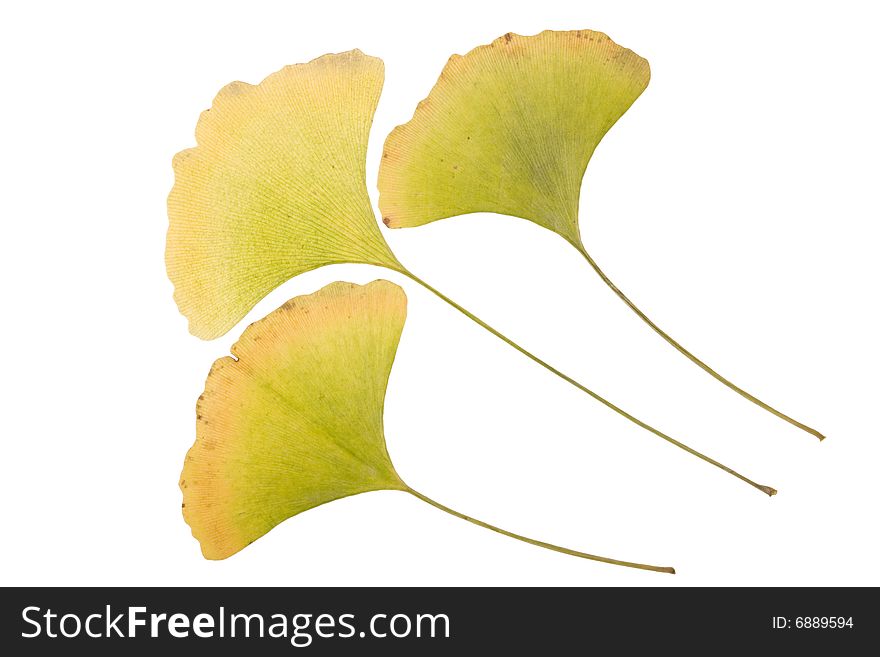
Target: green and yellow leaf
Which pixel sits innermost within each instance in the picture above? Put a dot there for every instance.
(294, 418)
(510, 128)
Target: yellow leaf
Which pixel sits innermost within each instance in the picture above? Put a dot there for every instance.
(276, 187)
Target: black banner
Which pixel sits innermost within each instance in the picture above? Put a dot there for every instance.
(276, 621)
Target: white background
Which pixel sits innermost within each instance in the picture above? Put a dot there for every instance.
(736, 203)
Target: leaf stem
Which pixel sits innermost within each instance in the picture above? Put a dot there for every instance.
(764, 489)
(549, 546)
(687, 353)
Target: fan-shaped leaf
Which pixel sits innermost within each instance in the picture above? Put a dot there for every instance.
(294, 419)
(276, 187)
(510, 128)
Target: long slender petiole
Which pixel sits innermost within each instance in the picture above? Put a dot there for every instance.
(688, 354)
(549, 546)
(764, 489)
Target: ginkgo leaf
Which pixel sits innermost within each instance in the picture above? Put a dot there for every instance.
(295, 419)
(276, 187)
(510, 128)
